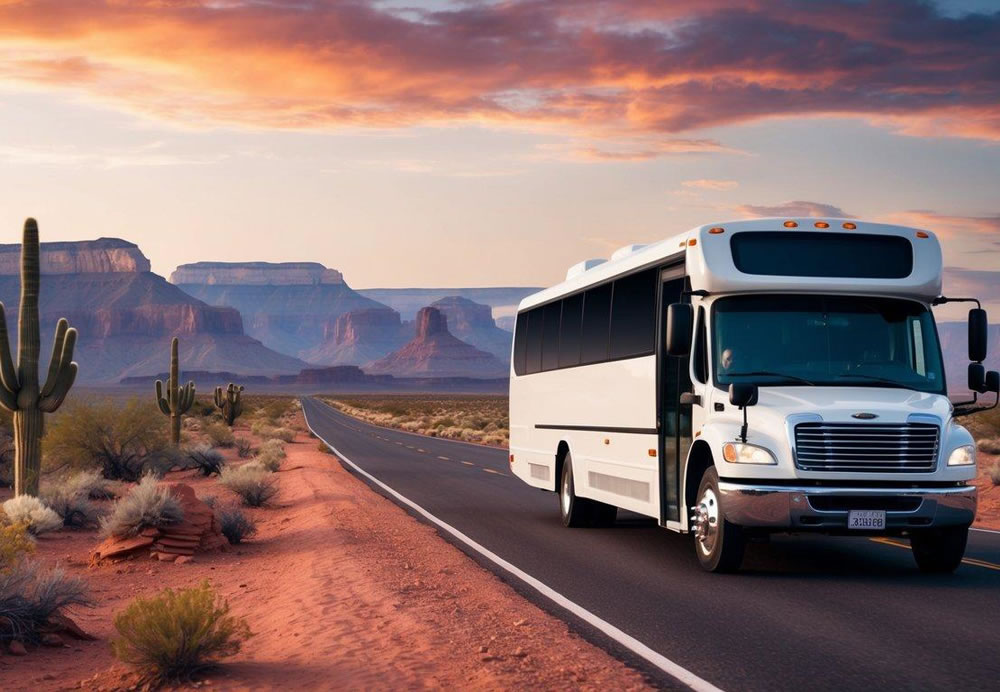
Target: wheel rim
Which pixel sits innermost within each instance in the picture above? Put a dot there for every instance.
(566, 496)
(705, 521)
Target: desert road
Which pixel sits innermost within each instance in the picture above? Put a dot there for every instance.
(812, 613)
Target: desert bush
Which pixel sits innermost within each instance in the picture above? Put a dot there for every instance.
(176, 634)
(220, 435)
(324, 447)
(70, 503)
(283, 434)
(244, 447)
(994, 472)
(205, 458)
(30, 596)
(15, 544)
(33, 514)
(93, 485)
(236, 525)
(989, 445)
(270, 455)
(124, 442)
(255, 485)
(147, 504)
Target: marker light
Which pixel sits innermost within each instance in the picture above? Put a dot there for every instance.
(652, 452)
(742, 453)
(693, 242)
(791, 224)
(849, 226)
(821, 224)
(921, 234)
(963, 456)
(717, 230)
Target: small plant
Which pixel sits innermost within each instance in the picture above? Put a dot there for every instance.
(989, 446)
(255, 485)
(205, 458)
(324, 447)
(994, 472)
(236, 525)
(147, 504)
(244, 447)
(30, 596)
(176, 634)
(271, 454)
(219, 435)
(92, 485)
(33, 514)
(178, 399)
(283, 434)
(15, 544)
(72, 504)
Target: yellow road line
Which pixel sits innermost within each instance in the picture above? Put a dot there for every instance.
(468, 463)
(966, 560)
(444, 458)
(422, 451)
(496, 472)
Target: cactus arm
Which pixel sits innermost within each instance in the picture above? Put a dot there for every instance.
(62, 355)
(218, 397)
(8, 374)
(60, 388)
(161, 402)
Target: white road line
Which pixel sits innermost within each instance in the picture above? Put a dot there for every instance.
(629, 642)
(985, 530)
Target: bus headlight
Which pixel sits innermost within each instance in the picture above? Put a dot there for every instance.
(962, 456)
(743, 453)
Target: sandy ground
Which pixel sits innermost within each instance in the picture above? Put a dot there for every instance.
(988, 514)
(342, 589)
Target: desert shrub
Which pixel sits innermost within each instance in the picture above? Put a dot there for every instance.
(210, 500)
(270, 455)
(124, 442)
(147, 504)
(33, 514)
(244, 447)
(93, 485)
(72, 504)
(236, 525)
(283, 434)
(30, 596)
(220, 435)
(324, 447)
(255, 485)
(204, 458)
(990, 445)
(176, 634)
(15, 543)
(994, 472)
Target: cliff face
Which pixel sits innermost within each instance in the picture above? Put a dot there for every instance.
(434, 351)
(358, 337)
(288, 306)
(473, 323)
(126, 315)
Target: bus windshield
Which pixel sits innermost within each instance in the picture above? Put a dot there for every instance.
(803, 340)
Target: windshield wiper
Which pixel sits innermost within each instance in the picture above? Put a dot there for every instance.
(768, 373)
(875, 378)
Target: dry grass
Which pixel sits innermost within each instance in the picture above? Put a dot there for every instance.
(472, 418)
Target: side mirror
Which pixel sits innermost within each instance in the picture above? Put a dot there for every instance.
(978, 326)
(680, 325)
(993, 382)
(977, 378)
(742, 394)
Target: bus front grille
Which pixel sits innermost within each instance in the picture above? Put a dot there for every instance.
(867, 447)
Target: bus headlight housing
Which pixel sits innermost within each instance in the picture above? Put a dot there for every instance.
(963, 456)
(743, 453)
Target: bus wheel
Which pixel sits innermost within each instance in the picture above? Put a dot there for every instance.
(718, 543)
(575, 511)
(939, 551)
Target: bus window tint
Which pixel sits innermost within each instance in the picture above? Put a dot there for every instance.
(533, 359)
(550, 336)
(596, 319)
(569, 334)
(633, 315)
(520, 338)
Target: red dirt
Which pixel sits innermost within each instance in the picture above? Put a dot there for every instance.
(988, 514)
(342, 589)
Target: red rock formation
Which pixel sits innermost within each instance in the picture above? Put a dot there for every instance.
(436, 352)
(256, 274)
(473, 323)
(77, 257)
(357, 337)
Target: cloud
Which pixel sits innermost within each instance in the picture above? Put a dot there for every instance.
(586, 68)
(143, 156)
(948, 225)
(795, 208)
(706, 184)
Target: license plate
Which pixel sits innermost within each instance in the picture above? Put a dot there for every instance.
(866, 519)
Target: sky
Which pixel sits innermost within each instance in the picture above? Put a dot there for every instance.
(462, 143)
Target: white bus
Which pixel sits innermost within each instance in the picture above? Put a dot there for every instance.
(770, 375)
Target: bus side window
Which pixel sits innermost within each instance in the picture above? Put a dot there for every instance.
(633, 315)
(550, 336)
(596, 324)
(569, 334)
(699, 356)
(533, 359)
(520, 342)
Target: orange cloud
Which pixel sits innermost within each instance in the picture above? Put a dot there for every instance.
(705, 184)
(948, 225)
(634, 68)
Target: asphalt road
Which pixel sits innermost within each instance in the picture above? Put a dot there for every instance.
(813, 613)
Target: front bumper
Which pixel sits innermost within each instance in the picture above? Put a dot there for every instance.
(825, 508)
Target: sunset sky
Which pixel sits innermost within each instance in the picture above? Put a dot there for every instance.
(441, 143)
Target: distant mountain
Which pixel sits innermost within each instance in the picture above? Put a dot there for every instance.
(287, 305)
(126, 315)
(473, 323)
(436, 352)
(359, 337)
(955, 350)
(407, 301)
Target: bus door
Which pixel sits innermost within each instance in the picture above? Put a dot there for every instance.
(674, 418)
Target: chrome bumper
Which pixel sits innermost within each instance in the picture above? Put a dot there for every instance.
(826, 508)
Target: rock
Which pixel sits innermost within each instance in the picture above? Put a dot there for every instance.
(184, 559)
(104, 255)
(482, 649)
(16, 648)
(52, 639)
(256, 274)
(114, 548)
(473, 323)
(63, 625)
(358, 337)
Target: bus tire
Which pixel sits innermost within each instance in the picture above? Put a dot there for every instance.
(718, 543)
(575, 511)
(939, 551)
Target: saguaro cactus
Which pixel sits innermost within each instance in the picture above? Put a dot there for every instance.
(178, 399)
(19, 390)
(230, 401)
